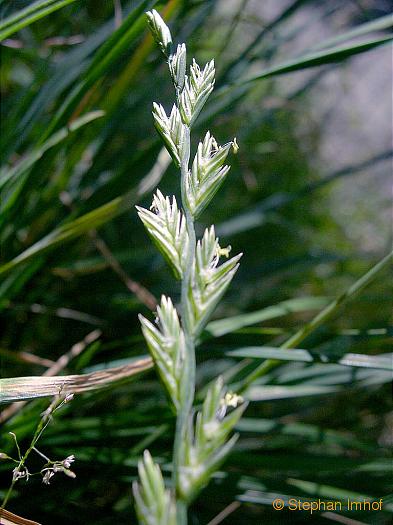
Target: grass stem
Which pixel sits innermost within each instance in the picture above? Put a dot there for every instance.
(188, 384)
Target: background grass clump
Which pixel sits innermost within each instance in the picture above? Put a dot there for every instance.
(305, 87)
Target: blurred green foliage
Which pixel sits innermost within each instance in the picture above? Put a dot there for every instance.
(69, 169)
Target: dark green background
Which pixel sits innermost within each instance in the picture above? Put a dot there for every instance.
(306, 200)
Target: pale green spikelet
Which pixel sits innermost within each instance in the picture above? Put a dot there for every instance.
(209, 281)
(154, 505)
(160, 31)
(197, 89)
(177, 67)
(172, 131)
(207, 174)
(166, 225)
(167, 347)
(207, 444)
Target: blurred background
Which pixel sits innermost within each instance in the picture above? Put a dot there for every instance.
(307, 200)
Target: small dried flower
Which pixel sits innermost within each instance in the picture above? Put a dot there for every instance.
(20, 473)
(47, 476)
(69, 473)
(68, 398)
(68, 460)
(58, 466)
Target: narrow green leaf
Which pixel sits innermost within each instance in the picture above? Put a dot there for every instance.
(231, 324)
(324, 315)
(93, 219)
(12, 181)
(270, 392)
(106, 56)
(303, 431)
(319, 58)
(380, 24)
(384, 362)
(30, 14)
(31, 158)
